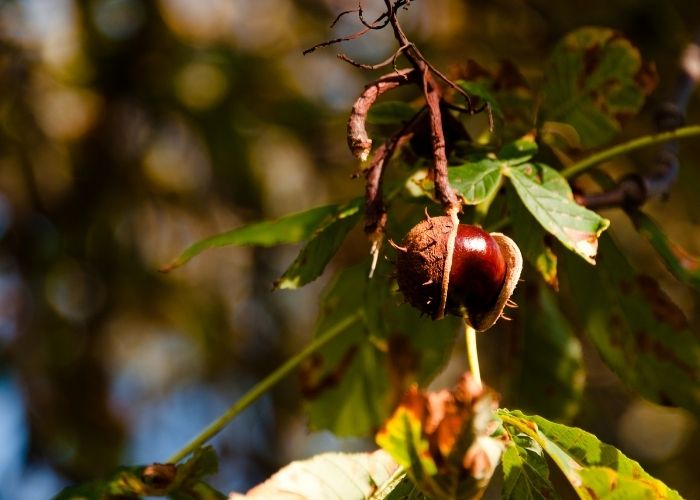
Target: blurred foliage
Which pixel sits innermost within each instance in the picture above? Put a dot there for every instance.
(182, 482)
(130, 129)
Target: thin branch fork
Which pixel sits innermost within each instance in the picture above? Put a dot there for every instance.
(377, 24)
(443, 191)
(359, 142)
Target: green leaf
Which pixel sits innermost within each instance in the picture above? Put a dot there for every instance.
(550, 375)
(525, 471)
(532, 240)
(684, 266)
(519, 151)
(291, 228)
(594, 469)
(402, 489)
(475, 181)
(595, 79)
(322, 246)
(347, 373)
(328, 475)
(638, 331)
(373, 362)
(542, 190)
(482, 92)
(390, 113)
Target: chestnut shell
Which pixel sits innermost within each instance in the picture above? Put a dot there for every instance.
(485, 270)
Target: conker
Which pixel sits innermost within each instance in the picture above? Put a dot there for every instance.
(484, 271)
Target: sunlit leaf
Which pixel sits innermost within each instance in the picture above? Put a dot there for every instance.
(684, 266)
(639, 332)
(594, 469)
(518, 151)
(390, 113)
(291, 228)
(402, 489)
(525, 470)
(542, 190)
(375, 360)
(443, 439)
(329, 475)
(532, 240)
(475, 181)
(550, 373)
(595, 79)
(322, 246)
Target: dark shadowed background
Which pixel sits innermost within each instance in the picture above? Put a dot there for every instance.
(129, 129)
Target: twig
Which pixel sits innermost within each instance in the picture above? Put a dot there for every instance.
(358, 140)
(431, 91)
(390, 60)
(261, 388)
(375, 209)
(443, 191)
(344, 13)
(638, 143)
(346, 38)
(357, 34)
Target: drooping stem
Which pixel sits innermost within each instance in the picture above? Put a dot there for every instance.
(261, 388)
(472, 354)
(358, 140)
(641, 142)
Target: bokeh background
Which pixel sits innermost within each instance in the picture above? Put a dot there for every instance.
(129, 129)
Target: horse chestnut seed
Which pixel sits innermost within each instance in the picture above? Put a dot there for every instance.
(484, 271)
(478, 271)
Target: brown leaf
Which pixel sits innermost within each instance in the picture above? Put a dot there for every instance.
(446, 435)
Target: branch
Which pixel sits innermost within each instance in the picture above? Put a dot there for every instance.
(262, 387)
(641, 142)
(358, 140)
(443, 191)
(375, 209)
(367, 26)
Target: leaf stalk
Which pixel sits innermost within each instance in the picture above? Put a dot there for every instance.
(641, 142)
(262, 387)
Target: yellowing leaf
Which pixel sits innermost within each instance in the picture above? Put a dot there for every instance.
(595, 79)
(444, 439)
(640, 333)
(594, 469)
(547, 196)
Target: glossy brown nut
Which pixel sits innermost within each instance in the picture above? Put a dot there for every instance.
(484, 271)
(478, 271)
